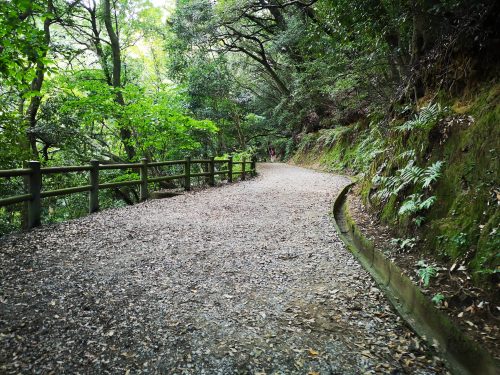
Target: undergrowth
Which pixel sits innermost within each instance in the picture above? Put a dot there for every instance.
(432, 175)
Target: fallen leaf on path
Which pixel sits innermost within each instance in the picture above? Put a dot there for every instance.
(313, 352)
(367, 353)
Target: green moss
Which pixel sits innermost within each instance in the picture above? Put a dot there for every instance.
(332, 160)
(390, 210)
(487, 259)
(466, 202)
(463, 221)
(366, 187)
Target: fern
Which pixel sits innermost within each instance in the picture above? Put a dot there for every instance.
(411, 173)
(388, 186)
(427, 117)
(307, 142)
(409, 154)
(328, 137)
(425, 205)
(426, 272)
(415, 204)
(430, 113)
(392, 185)
(404, 243)
(368, 149)
(418, 220)
(410, 206)
(431, 174)
(438, 299)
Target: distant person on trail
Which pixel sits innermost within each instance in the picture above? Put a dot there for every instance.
(272, 153)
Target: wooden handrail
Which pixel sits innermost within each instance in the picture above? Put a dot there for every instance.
(15, 199)
(15, 172)
(73, 168)
(163, 163)
(33, 173)
(119, 166)
(109, 185)
(66, 191)
(166, 178)
(200, 160)
(202, 174)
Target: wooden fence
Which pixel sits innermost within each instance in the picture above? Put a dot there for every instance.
(32, 173)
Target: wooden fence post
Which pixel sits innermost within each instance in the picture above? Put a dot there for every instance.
(230, 169)
(243, 177)
(94, 186)
(187, 174)
(211, 168)
(144, 194)
(34, 188)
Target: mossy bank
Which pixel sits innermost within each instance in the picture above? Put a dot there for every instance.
(431, 173)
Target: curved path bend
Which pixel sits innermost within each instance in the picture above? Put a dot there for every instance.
(244, 278)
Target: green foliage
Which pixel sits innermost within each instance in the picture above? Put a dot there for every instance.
(414, 204)
(410, 175)
(426, 272)
(426, 118)
(329, 83)
(307, 142)
(22, 44)
(431, 174)
(404, 244)
(460, 239)
(80, 113)
(438, 299)
(10, 220)
(368, 149)
(438, 183)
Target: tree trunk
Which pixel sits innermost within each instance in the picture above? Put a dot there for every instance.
(97, 44)
(272, 6)
(37, 83)
(125, 132)
(241, 137)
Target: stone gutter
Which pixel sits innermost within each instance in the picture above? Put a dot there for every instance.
(463, 356)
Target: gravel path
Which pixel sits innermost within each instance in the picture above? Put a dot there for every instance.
(244, 278)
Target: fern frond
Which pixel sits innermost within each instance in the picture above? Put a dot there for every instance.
(410, 173)
(426, 274)
(410, 206)
(425, 205)
(427, 117)
(432, 173)
(409, 154)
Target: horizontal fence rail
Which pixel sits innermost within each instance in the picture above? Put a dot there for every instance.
(33, 172)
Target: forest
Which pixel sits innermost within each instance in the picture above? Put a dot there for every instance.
(403, 94)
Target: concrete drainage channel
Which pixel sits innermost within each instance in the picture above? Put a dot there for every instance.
(462, 354)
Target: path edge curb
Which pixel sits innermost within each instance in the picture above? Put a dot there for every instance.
(462, 355)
